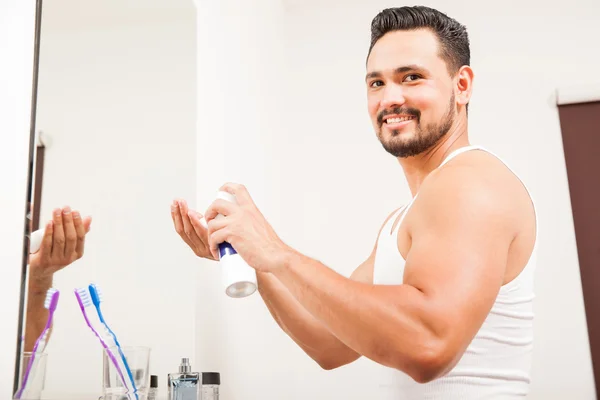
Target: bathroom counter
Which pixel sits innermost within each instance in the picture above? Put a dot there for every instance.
(84, 396)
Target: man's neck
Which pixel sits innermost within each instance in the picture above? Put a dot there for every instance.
(417, 168)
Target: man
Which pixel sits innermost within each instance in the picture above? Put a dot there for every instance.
(445, 298)
(63, 243)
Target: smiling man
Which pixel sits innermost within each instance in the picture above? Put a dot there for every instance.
(445, 298)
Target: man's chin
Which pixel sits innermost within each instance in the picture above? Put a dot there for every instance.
(405, 135)
(404, 147)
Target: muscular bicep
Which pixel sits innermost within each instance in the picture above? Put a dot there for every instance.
(457, 260)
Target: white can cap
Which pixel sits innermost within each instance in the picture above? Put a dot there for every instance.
(239, 279)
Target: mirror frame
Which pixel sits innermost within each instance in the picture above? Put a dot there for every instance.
(27, 211)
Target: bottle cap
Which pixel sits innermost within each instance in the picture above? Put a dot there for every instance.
(211, 378)
(153, 381)
(185, 366)
(238, 277)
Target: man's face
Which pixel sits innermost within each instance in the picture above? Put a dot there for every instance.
(410, 92)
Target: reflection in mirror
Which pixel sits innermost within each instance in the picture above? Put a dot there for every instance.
(115, 125)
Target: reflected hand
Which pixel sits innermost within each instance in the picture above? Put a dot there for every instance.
(62, 244)
(246, 229)
(191, 229)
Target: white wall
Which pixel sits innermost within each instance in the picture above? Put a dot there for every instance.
(335, 184)
(117, 99)
(238, 94)
(17, 23)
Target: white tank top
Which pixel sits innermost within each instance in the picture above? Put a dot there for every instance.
(497, 363)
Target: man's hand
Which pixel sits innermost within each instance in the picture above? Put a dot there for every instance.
(62, 244)
(189, 225)
(244, 227)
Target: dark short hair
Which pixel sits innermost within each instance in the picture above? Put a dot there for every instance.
(453, 37)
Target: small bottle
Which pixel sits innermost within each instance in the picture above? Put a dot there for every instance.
(239, 278)
(153, 392)
(185, 384)
(210, 385)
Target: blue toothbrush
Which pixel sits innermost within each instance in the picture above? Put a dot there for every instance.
(85, 303)
(96, 296)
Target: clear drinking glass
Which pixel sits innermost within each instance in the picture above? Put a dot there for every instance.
(113, 385)
(36, 377)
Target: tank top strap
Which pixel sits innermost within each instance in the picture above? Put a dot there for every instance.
(404, 211)
(460, 151)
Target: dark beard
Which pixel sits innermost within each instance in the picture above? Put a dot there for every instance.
(425, 138)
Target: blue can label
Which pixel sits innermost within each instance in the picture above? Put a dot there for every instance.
(226, 249)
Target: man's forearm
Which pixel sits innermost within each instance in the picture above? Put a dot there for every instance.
(310, 334)
(37, 314)
(383, 323)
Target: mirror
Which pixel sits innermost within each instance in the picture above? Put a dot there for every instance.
(115, 133)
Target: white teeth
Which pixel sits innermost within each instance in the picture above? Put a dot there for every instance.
(397, 120)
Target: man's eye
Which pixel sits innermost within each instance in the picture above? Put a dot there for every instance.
(412, 77)
(376, 83)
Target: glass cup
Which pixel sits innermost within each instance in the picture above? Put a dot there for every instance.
(36, 375)
(115, 379)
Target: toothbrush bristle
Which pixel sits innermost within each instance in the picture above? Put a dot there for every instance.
(51, 298)
(96, 294)
(84, 295)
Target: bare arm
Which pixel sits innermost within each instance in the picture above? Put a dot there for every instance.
(36, 314)
(454, 270)
(300, 325)
(305, 329)
(62, 244)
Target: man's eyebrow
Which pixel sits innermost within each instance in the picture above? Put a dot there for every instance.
(371, 75)
(399, 70)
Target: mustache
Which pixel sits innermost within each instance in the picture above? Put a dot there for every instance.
(398, 110)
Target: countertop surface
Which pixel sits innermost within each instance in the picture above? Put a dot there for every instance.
(85, 396)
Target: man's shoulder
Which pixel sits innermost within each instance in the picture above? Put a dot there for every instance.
(477, 183)
(475, 173)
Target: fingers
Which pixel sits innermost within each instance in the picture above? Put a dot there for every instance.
(215, 239)
(216, 224)
(87, 223)
(239, 191)
(58, 243)
(80, 231)
(198, 223)
(219, 206)
(176, 217)
(187, 225)
(202, 220)
(46, 245)
(178, 222)
(70, 232)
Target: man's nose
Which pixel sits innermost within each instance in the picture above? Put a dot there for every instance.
(393, 96)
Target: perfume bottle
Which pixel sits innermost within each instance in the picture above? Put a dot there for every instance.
(210, 385)
(153, 392)
(184, 385)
